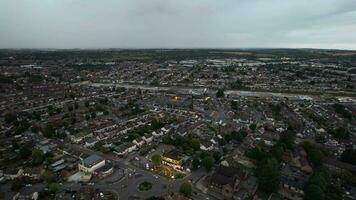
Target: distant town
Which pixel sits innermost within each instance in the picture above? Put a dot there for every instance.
(176, 124)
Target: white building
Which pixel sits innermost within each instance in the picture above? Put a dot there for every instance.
(147, 138)
(91, 163)
(125, 149)
(138, 143)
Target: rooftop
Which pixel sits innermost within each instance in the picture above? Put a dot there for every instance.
(92, 160)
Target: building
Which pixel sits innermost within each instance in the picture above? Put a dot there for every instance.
(125, 149)
(173, 159)
(90, 142)
(91, 163)
(139, 142)
(226, 180)
(206, 145)
(148, 138)
(292, 188)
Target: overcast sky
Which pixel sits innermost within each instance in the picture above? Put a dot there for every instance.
(178, 23)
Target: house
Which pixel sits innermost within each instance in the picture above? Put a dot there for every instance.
(138, 142)
(165, 130)
(292, 188)
(91, 163)
(293, 181)
(58, 165)
(299, 159)
(58, 162)
(147, 138)
(11, 173)
(125, 149)
(155, 134)
(34, 173)
(90, 142)
(226, 180)
(206, 145)
(173, 159)
(247, 188)
(76, 138)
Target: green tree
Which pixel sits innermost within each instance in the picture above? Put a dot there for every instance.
(319, 187)
(217, 156)
(48, 176)
(49, 131)
(220, 93)
(314, 192)
(268, 174)
(17, 184)
(340, 133)
(208, 163)
(186, 189)
(237, 84)
(86, 103)
(10, 117)
(256, 154)
(93, 115)
(349, 156)
(76, 105)
(253, 126)
(195, 163)
(277, 152)
(156, 160)
(24, 152)
(287, 140)
(37, 157)
(52, 188)
(314, 154)
(195, 144)
(22, 126)
(87, 117)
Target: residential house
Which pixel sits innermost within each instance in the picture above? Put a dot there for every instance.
(125, 149)
(226, 180)
(138, 142)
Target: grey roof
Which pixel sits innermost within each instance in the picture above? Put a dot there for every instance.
(294, 182)
(92, 160)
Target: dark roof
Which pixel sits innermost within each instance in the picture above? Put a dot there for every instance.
(226, 175)
(173, 154)
(92, 160)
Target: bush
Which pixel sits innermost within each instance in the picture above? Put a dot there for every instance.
(145, 186)
(186, 189)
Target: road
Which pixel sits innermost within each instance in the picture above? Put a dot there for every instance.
(123, 183)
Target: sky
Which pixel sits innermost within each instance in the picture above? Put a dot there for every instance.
(329, 24)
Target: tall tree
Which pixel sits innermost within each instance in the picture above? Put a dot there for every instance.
(220, 93)
(268, 174)
(156, 160)
(186, 189)
(208, 163)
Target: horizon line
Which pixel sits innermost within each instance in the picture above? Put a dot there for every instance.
(177, 48)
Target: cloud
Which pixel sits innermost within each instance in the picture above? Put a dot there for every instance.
(172, 23)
